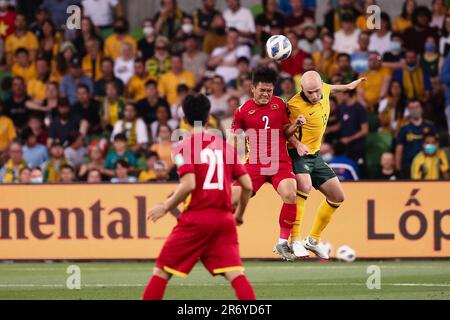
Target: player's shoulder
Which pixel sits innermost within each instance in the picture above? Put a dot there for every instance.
(296, 100)
(278, 100)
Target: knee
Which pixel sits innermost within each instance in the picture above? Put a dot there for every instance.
(338, 198)
(304, 187)
(289, 198)
(161, 273)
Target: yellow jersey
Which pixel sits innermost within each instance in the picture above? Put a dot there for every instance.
(316, 118)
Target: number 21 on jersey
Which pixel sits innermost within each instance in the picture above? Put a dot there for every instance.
(214, 159)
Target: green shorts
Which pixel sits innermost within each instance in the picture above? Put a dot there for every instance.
(314, 165)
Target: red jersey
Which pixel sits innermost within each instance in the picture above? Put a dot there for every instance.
(263, 126)
(7, 23)
(214, 163)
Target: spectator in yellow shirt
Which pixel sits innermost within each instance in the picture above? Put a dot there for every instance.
(404, 20)
(156, 169)
(23, 67)
(21, 38)
(113, 106)
(37, 87)
(7, 133)
(91, 63)
(136, 85)
(169, 81)
(431, 163)
(114, 43)
(376, 87)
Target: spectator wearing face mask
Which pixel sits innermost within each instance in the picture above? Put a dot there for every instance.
(115, 42)
(411, 137)
(395, 57)
(146, 46)
(36, 176)
(429, 60)
(431, 163)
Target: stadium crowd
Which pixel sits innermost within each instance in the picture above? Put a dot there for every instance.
(100, 103)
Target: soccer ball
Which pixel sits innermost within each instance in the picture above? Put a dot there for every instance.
(345, 253)
(278, 47)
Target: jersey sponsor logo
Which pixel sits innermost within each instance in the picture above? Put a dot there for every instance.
(274, 107)
(251, 112)
(312, 113)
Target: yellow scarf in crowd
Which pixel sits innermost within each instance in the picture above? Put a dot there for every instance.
(131, 135)
(413, 84)
(12, 174)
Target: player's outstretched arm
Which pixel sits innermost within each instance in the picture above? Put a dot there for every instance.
(346, 87)
(186, 186)
(247, 190)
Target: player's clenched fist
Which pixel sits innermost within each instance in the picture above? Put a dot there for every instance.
(157, 212)
(300, 121)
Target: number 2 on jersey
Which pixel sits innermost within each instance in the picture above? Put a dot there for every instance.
(214, 159)
(266, 120)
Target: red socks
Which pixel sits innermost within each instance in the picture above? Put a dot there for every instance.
(243, 288)
(287, 219)
(155, 289)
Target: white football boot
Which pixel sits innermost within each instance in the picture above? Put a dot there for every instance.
(315, 247)
(299, 250)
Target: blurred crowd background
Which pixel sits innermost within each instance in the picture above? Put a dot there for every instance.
(99, 104)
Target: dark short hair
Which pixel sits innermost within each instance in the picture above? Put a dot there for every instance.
(120, 137)
(21, 50)
(67, 166)
(151, 82)
(83, 86)
(123, 163)
(63, 102)
(342, 54)
(196, 108)
(151, 153)
(264, 75)
(182, 88)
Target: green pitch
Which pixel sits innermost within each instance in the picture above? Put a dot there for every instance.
(271, 280)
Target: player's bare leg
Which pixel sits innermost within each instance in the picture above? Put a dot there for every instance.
(334, 194)
(304, 186)
(242, 287)
(157, 285)
(286, 189)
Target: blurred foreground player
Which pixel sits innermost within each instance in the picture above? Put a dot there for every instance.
(206, 230)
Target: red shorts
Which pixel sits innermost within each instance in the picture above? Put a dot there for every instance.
(259, 177)
(209, 236)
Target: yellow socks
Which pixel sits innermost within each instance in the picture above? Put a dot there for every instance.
(323, 217)
(300, 201)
